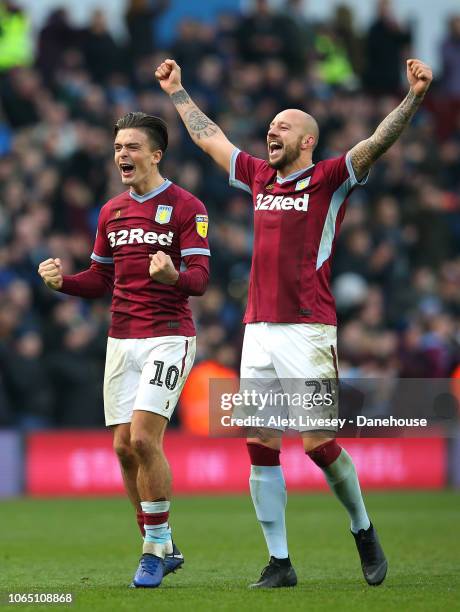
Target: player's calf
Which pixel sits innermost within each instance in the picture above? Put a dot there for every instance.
(268, 492)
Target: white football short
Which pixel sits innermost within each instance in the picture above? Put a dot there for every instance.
(145, 374)
(292, 364)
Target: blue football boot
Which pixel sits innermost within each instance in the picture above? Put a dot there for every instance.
(149, 573)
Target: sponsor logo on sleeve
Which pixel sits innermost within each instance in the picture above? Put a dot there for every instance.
(163, 214)
(202, 225)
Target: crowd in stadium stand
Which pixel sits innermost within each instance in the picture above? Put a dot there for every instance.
(397, 266)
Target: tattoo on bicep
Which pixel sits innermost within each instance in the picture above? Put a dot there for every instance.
(180, 97)
(199, 125)
(386, 133)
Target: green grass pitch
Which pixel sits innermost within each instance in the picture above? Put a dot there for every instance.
(90, 547)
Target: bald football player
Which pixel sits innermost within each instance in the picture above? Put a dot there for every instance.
(290, 319)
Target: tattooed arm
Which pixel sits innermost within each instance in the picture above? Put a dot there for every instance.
(206, 134)
(366, 152)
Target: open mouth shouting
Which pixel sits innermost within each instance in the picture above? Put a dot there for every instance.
(274, 148)
(127, 170)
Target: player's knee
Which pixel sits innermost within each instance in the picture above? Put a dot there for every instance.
(323, 454)
(124, 452)
(145, 447)
(312, 441)
(267, 437)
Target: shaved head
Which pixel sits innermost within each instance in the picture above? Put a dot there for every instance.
(301, 121)
(291, 139)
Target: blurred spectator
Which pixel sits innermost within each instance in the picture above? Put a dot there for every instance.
(450, 78)
(140, 15)
(21, 91)
(305, 31)
(386, 41)
(226, 45)
(413, 361)
(103, 56)
(86, 160)
(208, 82)
(265, 34)
(74, 363)
(435, 344)
(450, 56)
(333, 65)
(354, 253)
(15, 37)
(30, 383)
(55, 38)
(192, 44)
(432, 226)
(346, 32)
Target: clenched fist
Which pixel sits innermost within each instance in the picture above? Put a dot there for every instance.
(419, 76)
(51, 272)
(162, 269)
(168, 75)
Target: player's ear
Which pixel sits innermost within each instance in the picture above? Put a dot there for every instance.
(308, 141)
(156, 156)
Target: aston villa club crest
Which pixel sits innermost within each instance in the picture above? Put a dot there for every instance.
(202, 225)
(117, 214)
(303, 184)
(163, 214)
(269, 187)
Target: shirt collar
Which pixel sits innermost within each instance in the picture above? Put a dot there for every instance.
(293, 176)
(150, 194)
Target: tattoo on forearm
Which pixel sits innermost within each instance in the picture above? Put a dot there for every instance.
(367, 152)
(199, 125)
(180, 97)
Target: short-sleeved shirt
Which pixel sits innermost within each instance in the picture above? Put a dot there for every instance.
(130, 227)
(296, 222)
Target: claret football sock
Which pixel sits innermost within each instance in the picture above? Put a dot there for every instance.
(268, 492)
(157, 539)
(340, 473)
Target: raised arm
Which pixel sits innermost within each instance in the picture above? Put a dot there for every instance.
(366, 152)
(206, 134)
